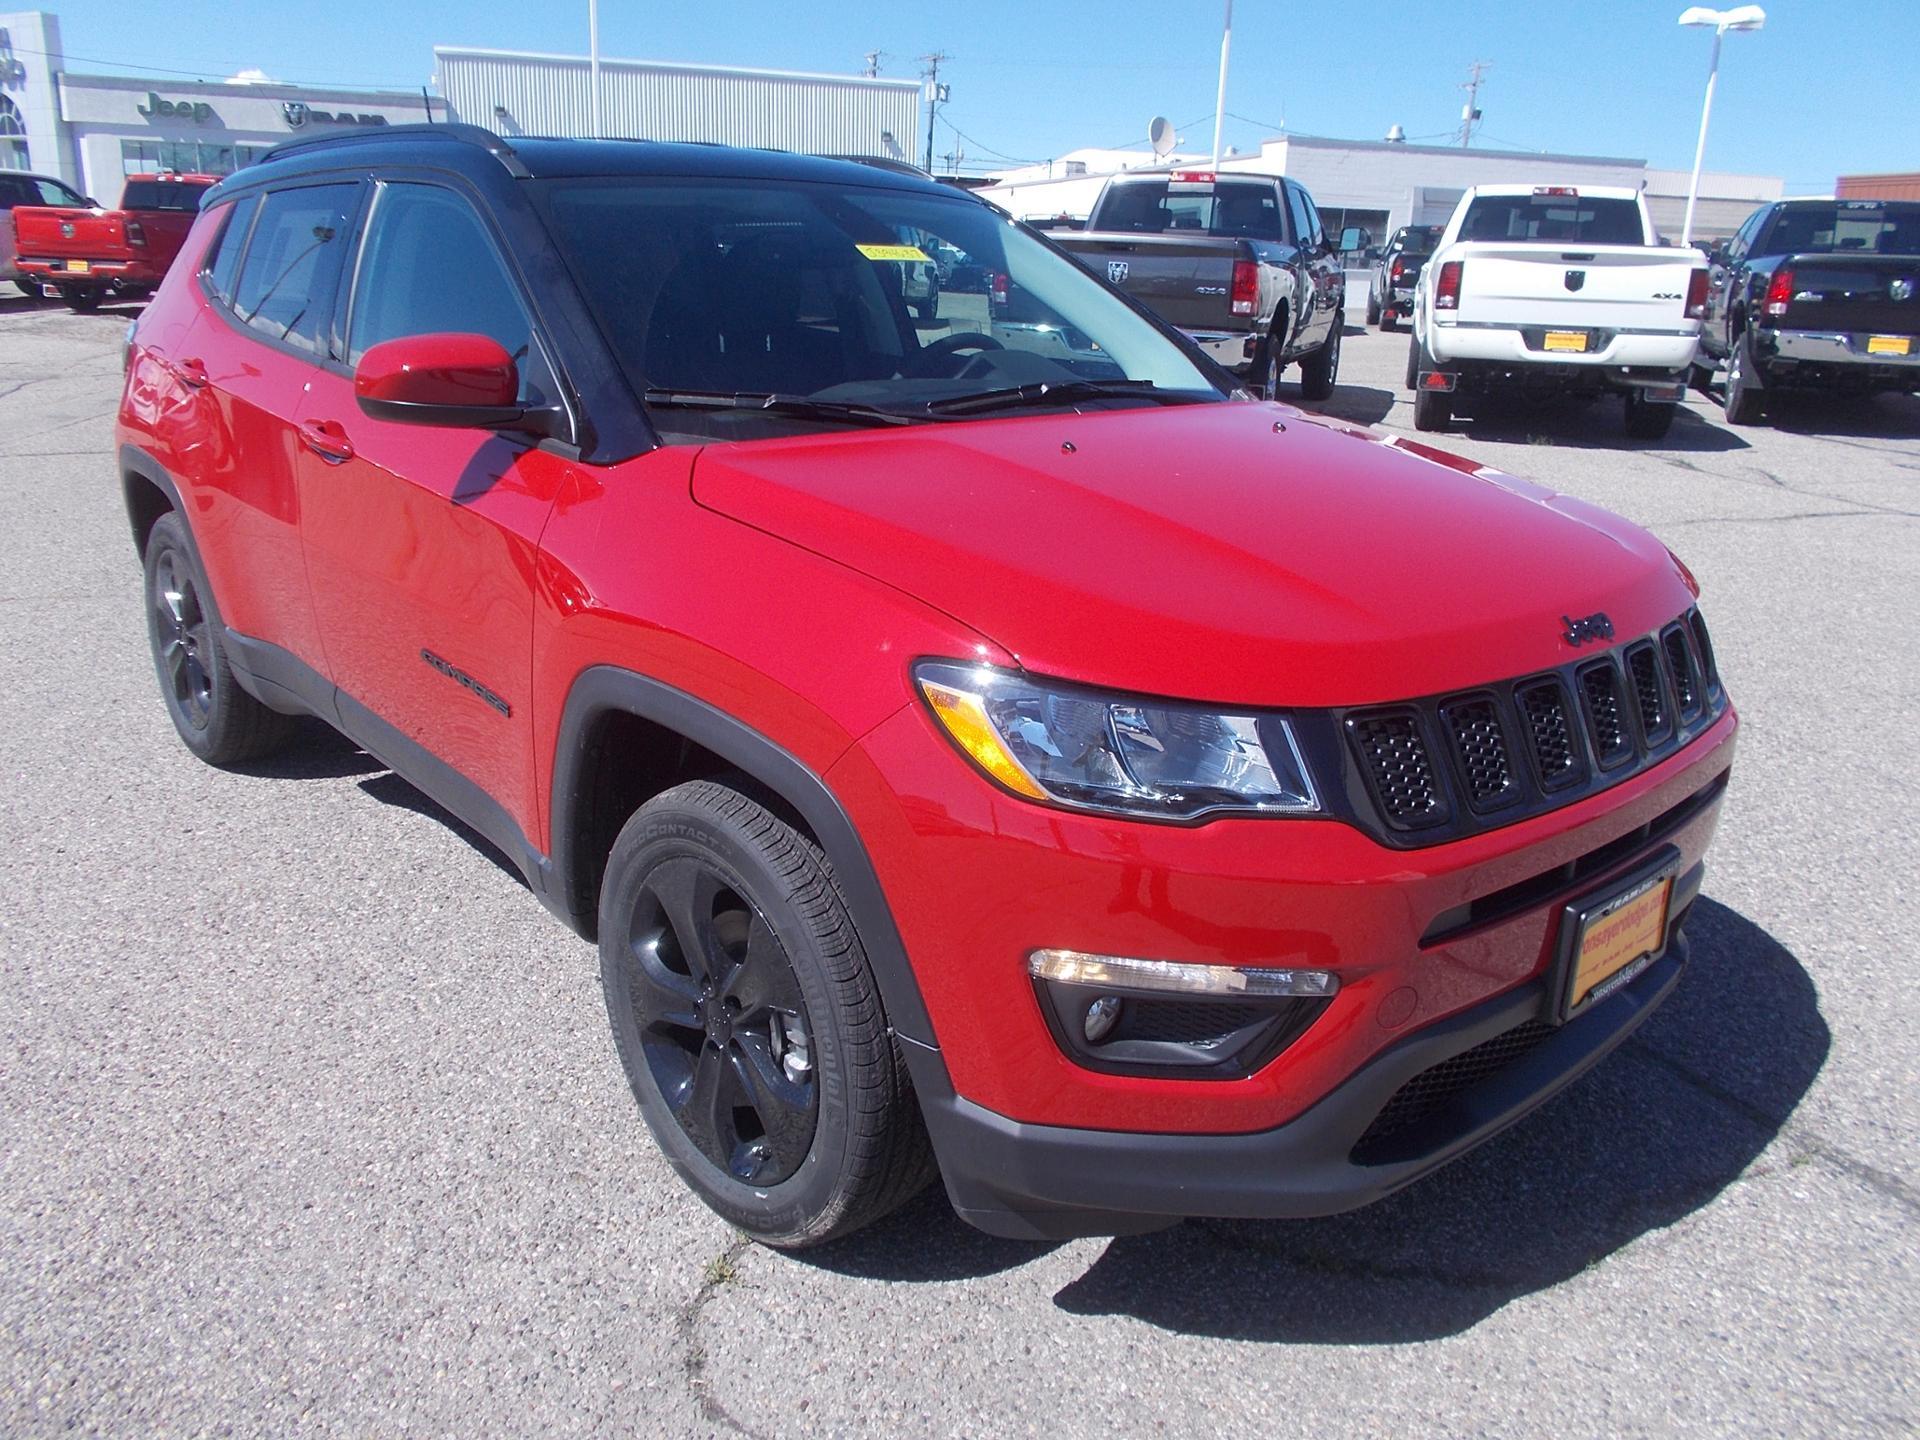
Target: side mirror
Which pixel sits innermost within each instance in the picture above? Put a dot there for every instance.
(464, 381)
(1354, 238)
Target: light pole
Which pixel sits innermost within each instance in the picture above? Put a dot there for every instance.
(593, 68)
(1220, 101)
(1744, 17)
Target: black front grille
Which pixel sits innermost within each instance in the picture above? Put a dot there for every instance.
(1686, 688)
(1643, 665)
(1420, 772)
(1399, 768)
(1606, 719)
(1554, 752)
(1480, 745)
(1396, 1132)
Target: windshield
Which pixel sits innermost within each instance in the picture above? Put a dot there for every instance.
(1416, 241)
(1205, 207)
(161, 195)
(1868, 227)
(1552, 219)
(894, 301)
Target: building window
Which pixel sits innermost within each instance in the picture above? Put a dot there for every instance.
(186, 157)
(13, 137)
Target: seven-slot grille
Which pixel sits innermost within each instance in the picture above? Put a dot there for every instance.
(1544, 740)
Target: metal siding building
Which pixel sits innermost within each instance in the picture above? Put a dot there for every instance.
(515, 93)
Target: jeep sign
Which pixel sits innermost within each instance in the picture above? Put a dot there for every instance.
(198, 111)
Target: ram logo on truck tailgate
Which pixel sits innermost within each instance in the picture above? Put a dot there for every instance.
(1901, 289)
(1575, 279)
(1116, 272)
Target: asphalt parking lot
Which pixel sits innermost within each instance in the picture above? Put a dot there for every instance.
(309, 1120)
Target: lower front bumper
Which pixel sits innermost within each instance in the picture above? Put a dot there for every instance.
(1040, 1182)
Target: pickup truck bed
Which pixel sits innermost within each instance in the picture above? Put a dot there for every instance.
(88, 253)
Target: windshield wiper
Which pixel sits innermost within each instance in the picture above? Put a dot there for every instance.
(800, 406)
(1060, 392)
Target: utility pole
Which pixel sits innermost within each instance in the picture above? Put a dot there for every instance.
(874, 57)
(1470, 115)
(593, 68)
(936, 95)
(1220, 99)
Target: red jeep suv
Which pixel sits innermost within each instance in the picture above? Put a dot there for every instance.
(991, 748)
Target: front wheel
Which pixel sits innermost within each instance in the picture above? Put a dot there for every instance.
(749, 1023)
(1320, 369)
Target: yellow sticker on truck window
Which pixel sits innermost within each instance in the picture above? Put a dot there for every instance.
(894, 252)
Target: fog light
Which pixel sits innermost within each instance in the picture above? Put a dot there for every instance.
(1119, 972)
(1102, 1016)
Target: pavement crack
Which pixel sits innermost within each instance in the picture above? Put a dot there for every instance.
(721, 1271)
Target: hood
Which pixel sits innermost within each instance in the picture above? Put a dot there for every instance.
(1241, 553)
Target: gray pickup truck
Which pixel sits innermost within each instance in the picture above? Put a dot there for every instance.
(1238, 262)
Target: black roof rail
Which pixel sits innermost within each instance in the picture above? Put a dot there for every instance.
(474, 135)
(884, 162)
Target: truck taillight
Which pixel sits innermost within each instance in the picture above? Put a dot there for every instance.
(135, 234)
(1399, 269)
(1779, 292)
(1246, 287)
(997, 288)
(1697, 295)
(1446, 289)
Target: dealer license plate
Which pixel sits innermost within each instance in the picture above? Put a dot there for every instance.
(1889, 344)
(1615, 936)
(78, 267)
(1573, 340)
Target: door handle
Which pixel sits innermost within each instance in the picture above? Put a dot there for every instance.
(327, 439)
(193, 373)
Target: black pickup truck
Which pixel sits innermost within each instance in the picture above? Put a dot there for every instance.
(1238, 262)
(1390, 287)
(1820, 294)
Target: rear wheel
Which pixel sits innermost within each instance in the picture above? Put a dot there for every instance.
(1373, 309)
(32, 289)
(1432, 409)
(1319, 370)
(217, 720)
(1648, 419)
(1389, 319)
(749, 1023)
(1271, 367)
(81, 298)
(1743, 388)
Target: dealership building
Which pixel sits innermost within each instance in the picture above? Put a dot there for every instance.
(94, 130)
(1380, 185)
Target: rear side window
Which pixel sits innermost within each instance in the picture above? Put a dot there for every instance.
(224, 264)
(292, 267)
(33, 190)
(1551, 218)
(429, 267)
(161, 195)
(1225, 207)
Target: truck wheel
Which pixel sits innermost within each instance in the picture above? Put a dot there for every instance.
(1373, 309)
(81, 299)
(749, 1023)
(1319, 370)
(1432, 409)
(1389, 320)
(32, 289)
(1648, 419)
(217, 720)
(1743, 389)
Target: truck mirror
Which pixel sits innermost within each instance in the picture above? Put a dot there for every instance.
(1354, 238)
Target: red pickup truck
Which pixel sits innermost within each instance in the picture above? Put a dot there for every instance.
(87, 254)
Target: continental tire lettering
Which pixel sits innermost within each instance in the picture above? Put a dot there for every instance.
(461, 678)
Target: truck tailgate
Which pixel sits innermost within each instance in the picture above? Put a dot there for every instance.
(1617, 287)
(57, 232)
(1185, 281)
(1852, 293)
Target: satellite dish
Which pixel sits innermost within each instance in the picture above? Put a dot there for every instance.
(1160, 136)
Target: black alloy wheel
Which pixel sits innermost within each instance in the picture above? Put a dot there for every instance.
(1271, 367)
(722, 1023)
(1743, 383)
(183, 640)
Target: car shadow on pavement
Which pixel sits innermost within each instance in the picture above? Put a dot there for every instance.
(1679, 1113)
(1362, 404)
(1810, 412)
(1584, 425)
(1675, 1116)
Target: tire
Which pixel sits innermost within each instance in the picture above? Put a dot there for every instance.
(1432, 409)
(81, 299)
(929, 308)
(1743, 384)
(1270, 368)
(1319, 370)
(748, 1022)
(1648, 419)
(215, 718)
(1389, 321)
(32, 289)
(1373, 309)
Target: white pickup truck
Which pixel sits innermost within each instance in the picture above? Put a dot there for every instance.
(1552, 289)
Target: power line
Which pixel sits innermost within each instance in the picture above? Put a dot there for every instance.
(211, 75)
(985, 148)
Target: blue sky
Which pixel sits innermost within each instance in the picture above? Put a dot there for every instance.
(1827, 88)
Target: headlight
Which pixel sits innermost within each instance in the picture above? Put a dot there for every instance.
(1114, 753)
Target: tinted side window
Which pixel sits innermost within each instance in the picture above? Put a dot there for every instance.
(429, 267)
(292, 266)
(224, 264)
(13, 192)
(1315, 236)
(52, 192)
(1297, 208)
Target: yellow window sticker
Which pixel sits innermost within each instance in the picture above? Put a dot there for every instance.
(893, 252)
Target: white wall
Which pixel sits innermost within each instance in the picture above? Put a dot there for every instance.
(28, 63)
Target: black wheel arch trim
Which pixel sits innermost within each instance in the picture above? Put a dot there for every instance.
(602, 689)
